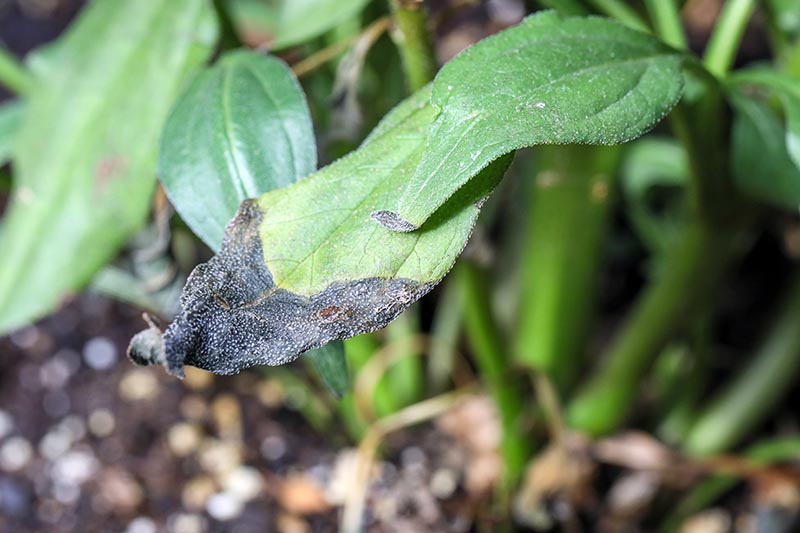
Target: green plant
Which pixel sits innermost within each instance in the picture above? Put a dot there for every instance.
(312, 257)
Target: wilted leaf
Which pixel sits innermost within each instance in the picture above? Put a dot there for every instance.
(761, 164)
(241, 129)
(253, 103)
(306, 264)
(549, 80)
(85, 158)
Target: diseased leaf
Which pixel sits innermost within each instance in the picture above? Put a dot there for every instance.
(761, 164)
(305, 264)
(85, 157)
(242, 128)
(548, 80)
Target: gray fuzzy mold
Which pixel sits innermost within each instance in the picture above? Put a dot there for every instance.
(234, 317)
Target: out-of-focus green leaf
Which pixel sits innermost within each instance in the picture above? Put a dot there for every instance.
(291, 22)
(330, 363)
(787, 88)
(654, 166)
(241, 129)
(549, 80)
(85, 158)
(10, 121)
(761, 163)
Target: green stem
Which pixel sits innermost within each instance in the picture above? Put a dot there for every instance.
(689, 271)
(667, 22)
(622, 12)
(13, 74)
(745, 401)
(445, 331)
(406, 378)
(488, 349)
(413, 41)
(567, 225)
(728, 31)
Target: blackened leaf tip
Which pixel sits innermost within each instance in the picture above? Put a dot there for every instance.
(393, 221)
(147, 347)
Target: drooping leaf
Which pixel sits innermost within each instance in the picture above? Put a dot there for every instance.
(761, 164)
(85, 158)
(305, 264)
(285, 23)
(549, 80)
(10, 121)
(787, 88)
(241, 129)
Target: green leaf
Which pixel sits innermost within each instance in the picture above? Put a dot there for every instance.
(291, 22)
(549, 80)
(655, 167)
(10, 121)
(306, 264)
(761, 163)
(242, 128)
(86, 155)
(330, 363)
(787, 88)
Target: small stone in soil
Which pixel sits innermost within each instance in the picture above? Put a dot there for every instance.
(141, 524)
(138, 384)
(15, 454)
(224, 506)
(273, 447)
(100, 353)
(101, 423)
(183, 438)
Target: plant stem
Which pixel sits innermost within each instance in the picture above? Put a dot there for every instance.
(406, 378)
(622, 12)
(689, 271)
(445, 332)
(744, 402)
(567, 225)
(411, 36)
(13, 74)
(487, 348)
(728, 31)
(667, 22)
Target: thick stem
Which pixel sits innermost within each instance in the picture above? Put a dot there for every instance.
(488, 350)
(414, 42)
(13, 74)
(728, 31)
(667, 22)
(745, 401)
(689, 271)
(567, 226)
